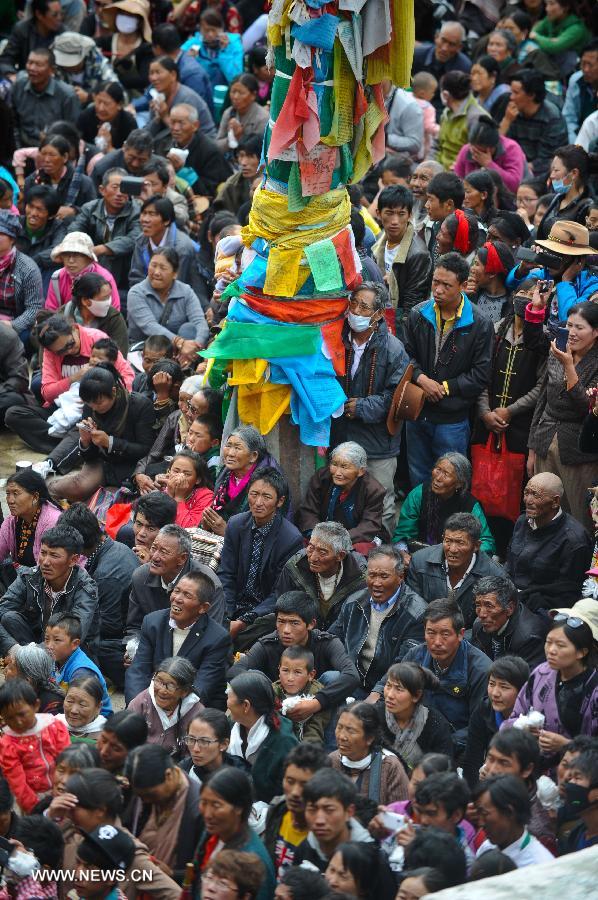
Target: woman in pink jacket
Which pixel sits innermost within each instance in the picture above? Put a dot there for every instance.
(31, 514)
(487, 149)
(77, 257)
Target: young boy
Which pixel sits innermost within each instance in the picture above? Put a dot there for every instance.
(203, 437)
(297, 679)
(102, 852)
(63, 639)
(445, 194)
(164, 382)
(155, 348)
(286, 827)
(29, 744)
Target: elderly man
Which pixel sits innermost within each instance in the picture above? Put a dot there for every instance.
(504, 626)
(38, 99)
(375, 363)
(133, 156)
(550, 551)
(328, 571)
(452, 568)
(461, 668)
(152, 583)
(112, 222)
(444, 55)
(418, 182)
(379, 626)
(204, 157)
(184, 629)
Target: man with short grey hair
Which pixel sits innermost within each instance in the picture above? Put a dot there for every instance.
(444, 55)
(504, 626)
(203, 155)
(375, 362)
(152, 583)
(328, 571)
(550, 551)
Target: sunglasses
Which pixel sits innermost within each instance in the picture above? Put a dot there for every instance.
(571, 621)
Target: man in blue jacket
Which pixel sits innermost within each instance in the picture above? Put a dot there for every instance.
(257, 544)
(450, 345)
(461, 669)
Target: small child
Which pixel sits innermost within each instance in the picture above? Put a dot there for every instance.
(44, 849)
(29, 744)
(82, 706)
(297, 680)
(203, 437)
(103, 852)
(63, 639)
(104, 350)
(155, 348)
(424, 87)
(69, 406)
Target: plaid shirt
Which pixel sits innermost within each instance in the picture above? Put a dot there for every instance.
(540, 135)
(28, 294)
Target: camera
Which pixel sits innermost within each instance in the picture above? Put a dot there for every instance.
(548, 260)
(131, 185)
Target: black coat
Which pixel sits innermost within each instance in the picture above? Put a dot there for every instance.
(148, 595)
(209, 163)
(401, 630)
(524, 636)
(482, 728)
(329, 655)
(207, 647)
(540, 559)
(130, 446)
(384, 370)
(281, 542)
(297, 576)
(436, 735)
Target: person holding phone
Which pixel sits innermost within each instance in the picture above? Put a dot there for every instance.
(561, 409)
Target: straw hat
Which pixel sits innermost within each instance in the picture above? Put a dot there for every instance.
(139, 8)
(75, 242)
(585, 609)
(567, 238)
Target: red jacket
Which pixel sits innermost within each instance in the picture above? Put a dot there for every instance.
(28, 760)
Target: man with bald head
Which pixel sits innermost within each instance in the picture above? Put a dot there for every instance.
(550, 551)
(444, 55)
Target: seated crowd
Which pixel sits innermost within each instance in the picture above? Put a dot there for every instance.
(384, 683)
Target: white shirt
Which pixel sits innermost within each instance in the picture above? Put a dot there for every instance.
(525, 851)
(461, 580)
(358, 351)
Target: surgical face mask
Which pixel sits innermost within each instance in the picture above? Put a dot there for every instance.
(359, 323)
(126, 24)
(99, 308)
(559, 186)
(519, 305)
(22, 864)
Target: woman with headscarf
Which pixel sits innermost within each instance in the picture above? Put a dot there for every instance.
(427, 507)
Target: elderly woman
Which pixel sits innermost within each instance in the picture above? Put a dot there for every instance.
(410, 727)
(502, 46)
(77, 257)
(243, 453)
(428, 506)
(345, 492)
(56, 169)
(485, 83)
(31, 513)
(35, 665)
(163, 304)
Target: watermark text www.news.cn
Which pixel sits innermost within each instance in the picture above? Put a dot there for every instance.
(101, 876)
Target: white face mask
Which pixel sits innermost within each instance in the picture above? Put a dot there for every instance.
(22, 864)
(126, 24)
(359, 323)
(99, 308)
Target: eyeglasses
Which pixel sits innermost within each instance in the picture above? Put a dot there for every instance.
(220, 885)
(202, 741)
(571, 621)
(169, 688)
(357, 304)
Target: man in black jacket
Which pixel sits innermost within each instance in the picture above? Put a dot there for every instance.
(450, 345)
(550, 551)
(384, 622)
(185, 629)
(38, 30)
(204, 156)
(256, 546)
(328, 571)
(295, 624)
(503, 625)
(14, 374)
(152, 583)
(375, 363)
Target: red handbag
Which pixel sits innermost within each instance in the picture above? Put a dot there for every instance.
(497, 478)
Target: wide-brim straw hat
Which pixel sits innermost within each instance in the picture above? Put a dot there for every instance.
(139, 8)
(568, 238)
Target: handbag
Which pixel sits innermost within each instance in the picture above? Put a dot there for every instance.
(407, 401)
(497, 478)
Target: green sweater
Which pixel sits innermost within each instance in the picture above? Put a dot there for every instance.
(408, 525)
(557, 37)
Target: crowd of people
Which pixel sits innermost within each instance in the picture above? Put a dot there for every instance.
(384, 684)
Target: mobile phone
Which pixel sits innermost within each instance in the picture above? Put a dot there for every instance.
(83, 426)
(562, 336)
(545, 285)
